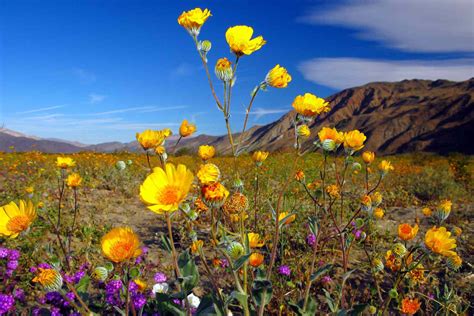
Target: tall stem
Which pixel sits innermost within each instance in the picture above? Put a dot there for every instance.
(311, 271)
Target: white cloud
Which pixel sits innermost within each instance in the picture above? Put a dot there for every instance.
(41, 109)
(140, 109)
(259, 112)
(343, 73)
(408, 25)
(96, 98)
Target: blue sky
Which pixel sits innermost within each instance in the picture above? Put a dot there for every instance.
(96, 71)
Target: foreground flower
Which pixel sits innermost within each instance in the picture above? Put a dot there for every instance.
(7, 304)
(303, 131)
(193, 20)
(327, 133)
(410, 306)
(73, 180)
(49, 278)
(16, 219)
(193, 300)
(206, 152)
(284, 270)
(208, 174)
(240, 40)
(368, 156)
(385, 166)
(256, 259)
(255, 241)
(260, 156)
(310, 105)
(120, 244)
(196, 246)
(417, 274)
(278, 77)
(454, 262)
(163, 191)
(407, 232)
(65, 162)
(354, 140)
(186, 129)
(439, 241)
(214, 195)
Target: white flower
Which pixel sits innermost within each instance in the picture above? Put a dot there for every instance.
(160, 288)
(193, 300)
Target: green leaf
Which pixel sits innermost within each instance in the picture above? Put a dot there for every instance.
(240, 297)
(166, 243)
(321, 271)
(134, 272)
(189, 272)
(261, 287)
(207, 307)
(313, 225)
(240, 262)
(109, 266)
(83, 284)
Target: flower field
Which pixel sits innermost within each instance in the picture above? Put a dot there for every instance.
(333, 229)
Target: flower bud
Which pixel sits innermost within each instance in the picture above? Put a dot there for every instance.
(303, 131)
(399, 250)
(393, 293)
(454, 262)
(100, 274)
(205, 46)
(223, 69)
(120, 165)
(235, 250)
(329, 145)
(377, 265)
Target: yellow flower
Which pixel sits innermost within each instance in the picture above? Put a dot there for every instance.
(391, 261)
(240, 40)
(376, 198)
(418, 274)
(260, 156)
(278, 77)
(214, 194)
(196, 245)
(29, 190)
(385, 166)
(310, 105)
(120, 244)
(141, 284)
(439, 241)
(410, 306)
(354, 140)
(368, 156)
(65, 162)
(160, 150)
(407, 232)
(255, 241)
(50, 279)
(149, 139)
(256, 259)
(327, 133)
(73, 180)
(223, 69)
(303, 131)
(15, 220)
(206, 152)
(186, 129)
(193, 20)
(289, 220)
(379, 213)
(443, 210)
(426, 211)
(454, 262)
(333, 191)
(208, 174)
(457, 231)
(164, 190)
(366, 200)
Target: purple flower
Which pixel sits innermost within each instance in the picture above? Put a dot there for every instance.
(284, 270)
(7, 303)
(113, 286)
(139, 300)
(311, 240)
(224, 263)
(19, 294)
(14, 254)
(326, 279)
(160, 277)
(177, 301)
(357, 233)
(132, 287)
(55, 311)
(3, 252)
(12, 265)
(33, 269)
(78, 276)
(44, 266)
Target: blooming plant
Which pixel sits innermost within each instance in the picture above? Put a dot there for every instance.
(236, 238)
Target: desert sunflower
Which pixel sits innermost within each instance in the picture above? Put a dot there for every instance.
(163, 190)
(241, 42)
(120, 244)
(14, 219)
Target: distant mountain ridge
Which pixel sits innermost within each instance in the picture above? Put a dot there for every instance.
(410, 115)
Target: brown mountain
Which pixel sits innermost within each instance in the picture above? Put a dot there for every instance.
(411, 115)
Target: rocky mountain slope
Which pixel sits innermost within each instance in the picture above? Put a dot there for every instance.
(411, 115)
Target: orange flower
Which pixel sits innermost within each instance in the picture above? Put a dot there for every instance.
(196, 245)
(121, 244)
(289, 220)
(256, 259)
(299, 176)
(368, 156)
(407, 232)
(410, 306)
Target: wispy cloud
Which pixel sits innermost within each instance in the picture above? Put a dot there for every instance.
(408, 25)
(84, 76)
(139, 109)
(96, 98)
(343, 73)
(257, 113)
(42, 109)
